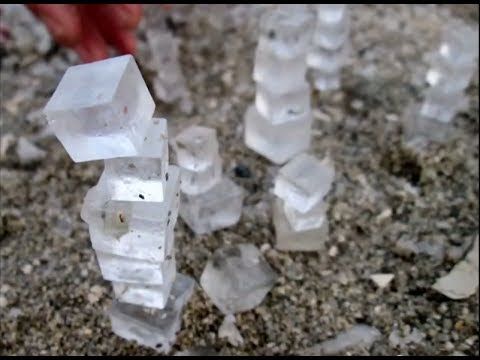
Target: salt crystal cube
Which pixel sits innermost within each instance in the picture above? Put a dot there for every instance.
(100, 110)
(312, 219)
(155, 328)
(279, 107)
(155, 296)
(217, 208)
(196, 147)
(303, 182)
(128, 270)
(290, 239)
(277, 142)
(237, 278)
(142, 230)
(283, 74)
(196, 182)
(286, 30)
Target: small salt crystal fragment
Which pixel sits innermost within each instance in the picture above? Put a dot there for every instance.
(359, 336)
(462, 281)
(28, 152)
(229, 331)
(382, 280)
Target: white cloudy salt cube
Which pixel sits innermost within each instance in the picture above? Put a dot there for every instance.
(329, 62)
(290, 239)
(155, 296)
(135, 229)
(277, 142)
(128, 270)
(283, 74)
(196, 147)
(217, 208)
(304, 181)
(237, 278)
(196, 182)
(101, 110)
(311, 219)
(325, 81)
(279, 107)
(460, 42)
(331, 13)
(141, 178)
(443, 107)
(155, 328)
(286, 30)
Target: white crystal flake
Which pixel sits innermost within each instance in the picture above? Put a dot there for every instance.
(101, 110)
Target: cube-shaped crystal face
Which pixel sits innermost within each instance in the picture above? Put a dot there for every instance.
(328, 61)
(101, 110)
(331, 13)
(196, 147)
(281, 107)
(286, 30)
(460, 42)
(277, 142)
(283, 74)
(312, 219)
(304, 181)
(217, 208)
(196, 182)
(237, 278)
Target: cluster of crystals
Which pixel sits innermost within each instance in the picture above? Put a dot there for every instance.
(103, 110)
(300, 210)
(329, 45)
(209, 200)
(452, 66)
(278, 125)
(169, 82)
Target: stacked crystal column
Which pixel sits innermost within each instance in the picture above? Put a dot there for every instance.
(451, 68)
(299, 212)
(329, 45)
(209, 200)
(278, 125)
(103, 110)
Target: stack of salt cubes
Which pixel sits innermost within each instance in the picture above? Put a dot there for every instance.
(103, 110)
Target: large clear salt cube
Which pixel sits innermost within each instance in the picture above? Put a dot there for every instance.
(277, 142)
(101, 110)
(329, 62)
(196, 147)
(283, 74)
(237, 278)
(155, 296)
(331, 13)
(325, 81)
(279, 107)
(155, 328)
(196, 182)
(217, 208)
(290, 239)
(304, 181)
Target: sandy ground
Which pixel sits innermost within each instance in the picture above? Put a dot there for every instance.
(52, 296)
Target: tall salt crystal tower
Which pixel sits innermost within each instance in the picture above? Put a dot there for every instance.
(300, 209)
(103, 110)
(452, 67)
(329, 45)
(278, 125)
